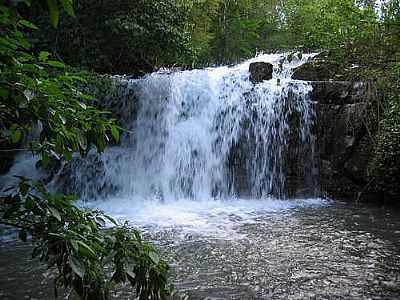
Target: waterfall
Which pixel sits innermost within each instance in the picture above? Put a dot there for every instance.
(204, 134)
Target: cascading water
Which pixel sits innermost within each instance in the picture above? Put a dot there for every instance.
(205, 134)
(202, 141)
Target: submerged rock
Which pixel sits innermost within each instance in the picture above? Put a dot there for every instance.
(260, 71)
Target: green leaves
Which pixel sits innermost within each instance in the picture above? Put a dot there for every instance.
(67, 4)
(69, 124)
(154, 257)
(37, 92)
(56, 64)
(16, 136)
(115, 133)
(86, 251)
(157, 26)
(82, 141)
(27, 24)
(44, 56)
(54, 12)
(76, 243)
(55, 213)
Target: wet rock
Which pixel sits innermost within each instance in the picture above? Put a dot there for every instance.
(260, 71)
(344, 127)
(314, 71)
(320, 68)
(340, 92)
(120, 99)
(344, 148)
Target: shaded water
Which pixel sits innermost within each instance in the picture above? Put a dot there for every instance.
(309, 249)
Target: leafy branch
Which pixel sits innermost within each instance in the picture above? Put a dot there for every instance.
(38, 94)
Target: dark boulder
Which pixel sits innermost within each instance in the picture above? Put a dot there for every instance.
(339, 92)
(346, 128)
(317, 71)
(328, 67)
(260, 71)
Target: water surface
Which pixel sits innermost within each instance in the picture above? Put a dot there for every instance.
(305, 249)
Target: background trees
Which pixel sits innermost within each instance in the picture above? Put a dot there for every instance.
(137, 36)
(121, 36)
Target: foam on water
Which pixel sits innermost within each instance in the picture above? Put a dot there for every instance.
(208, 218)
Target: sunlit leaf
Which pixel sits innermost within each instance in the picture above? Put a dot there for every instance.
(44, 56)
(56, 64)
(115, 133)
(75, 245)
(55, 213)
(86, 250)
(28, 24)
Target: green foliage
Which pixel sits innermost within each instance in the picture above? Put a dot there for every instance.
(386, 164)
(135, 37)
(121, 36)
(330, 23)
(38, 94)
(89, 257)
(236, 30)
(202, 14)
(228, 31)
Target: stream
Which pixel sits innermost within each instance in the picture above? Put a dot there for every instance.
(251, 249)
(222, 176)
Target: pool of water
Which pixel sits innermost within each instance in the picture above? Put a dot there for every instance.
(245, 249)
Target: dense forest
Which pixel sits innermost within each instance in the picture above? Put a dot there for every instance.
(134, 37)
(51, 48)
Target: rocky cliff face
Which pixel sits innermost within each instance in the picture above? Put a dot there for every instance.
(345, 129)
(344, 139)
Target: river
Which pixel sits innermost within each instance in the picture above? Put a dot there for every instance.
(205, 175)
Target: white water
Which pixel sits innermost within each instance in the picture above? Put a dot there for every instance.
(181, 168)
(212, 218)
(191, 125)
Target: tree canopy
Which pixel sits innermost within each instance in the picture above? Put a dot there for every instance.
(137, 36)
